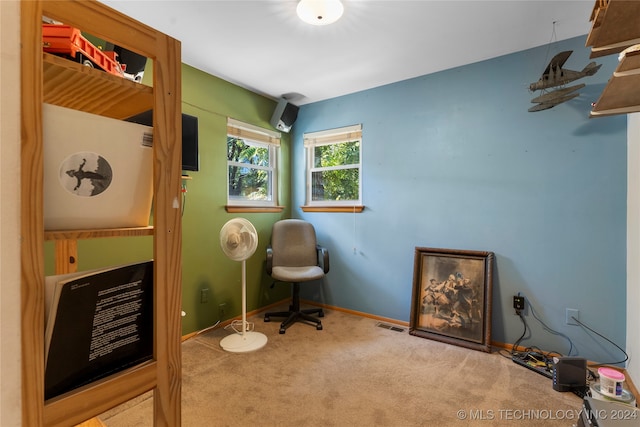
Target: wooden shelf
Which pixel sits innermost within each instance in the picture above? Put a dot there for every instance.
(73, 85)
(622, 93)
(347, 209)
(629, 65)
(50, 79)
(92, 234)
(81, 404)
(615, 29)
(614, 26)
(253, 209)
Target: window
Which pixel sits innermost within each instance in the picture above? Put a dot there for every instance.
(251, 165)
(334, 167)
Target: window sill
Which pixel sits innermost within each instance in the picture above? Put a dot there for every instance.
(348, 209)
(251, 209)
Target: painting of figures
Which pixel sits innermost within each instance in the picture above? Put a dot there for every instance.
(452, 296)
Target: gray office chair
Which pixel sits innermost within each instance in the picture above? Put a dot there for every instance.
(294, 256)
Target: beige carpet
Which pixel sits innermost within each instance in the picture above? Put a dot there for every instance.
(353, 373)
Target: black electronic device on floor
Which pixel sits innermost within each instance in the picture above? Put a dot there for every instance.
(569, 373)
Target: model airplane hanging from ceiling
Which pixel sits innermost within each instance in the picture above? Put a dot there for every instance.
(555, 76)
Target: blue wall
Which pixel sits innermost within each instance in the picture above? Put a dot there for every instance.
(454, 160)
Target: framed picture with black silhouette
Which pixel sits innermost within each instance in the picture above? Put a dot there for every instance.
(451, 299)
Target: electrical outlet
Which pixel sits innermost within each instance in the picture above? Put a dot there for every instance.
(221, 310)
(518, 302)
(571, 314)
(204, 295)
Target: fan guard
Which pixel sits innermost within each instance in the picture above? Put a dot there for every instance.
(239, 240)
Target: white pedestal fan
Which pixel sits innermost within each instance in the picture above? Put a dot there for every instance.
(239, 240)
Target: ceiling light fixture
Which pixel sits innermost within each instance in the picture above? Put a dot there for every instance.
(320, 12)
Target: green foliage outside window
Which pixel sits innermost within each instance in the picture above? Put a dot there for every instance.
(344, 153)
(337, 171)
(247, 177)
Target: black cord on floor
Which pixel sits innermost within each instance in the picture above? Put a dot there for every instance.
(536, 354)
(532, 355)
(626, 356)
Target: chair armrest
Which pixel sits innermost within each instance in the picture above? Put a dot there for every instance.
(269, 259)
(323, 258)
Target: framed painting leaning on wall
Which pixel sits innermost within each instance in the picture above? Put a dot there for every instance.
(451, 299)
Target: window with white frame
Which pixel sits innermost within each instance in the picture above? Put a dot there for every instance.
(251, 165)
(334, 175)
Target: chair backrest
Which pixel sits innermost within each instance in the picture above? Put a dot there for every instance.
(294, 243)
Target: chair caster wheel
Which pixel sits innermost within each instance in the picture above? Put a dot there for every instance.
(282, 330)
(267, 319)
(319, 327)
(321, 313)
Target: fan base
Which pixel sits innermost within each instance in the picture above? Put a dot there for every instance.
(238, 343)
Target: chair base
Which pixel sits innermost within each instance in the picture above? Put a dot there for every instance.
(295, 314)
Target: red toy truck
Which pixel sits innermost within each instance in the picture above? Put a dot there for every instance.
(67, 41)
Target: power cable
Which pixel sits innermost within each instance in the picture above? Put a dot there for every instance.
(517, 343)
(550, 330)
(626, 356)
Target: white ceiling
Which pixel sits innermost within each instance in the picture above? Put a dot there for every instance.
(261, 45)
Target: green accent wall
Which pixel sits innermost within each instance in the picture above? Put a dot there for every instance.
(204, 266)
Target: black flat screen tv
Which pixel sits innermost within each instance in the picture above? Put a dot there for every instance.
(190, 154)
